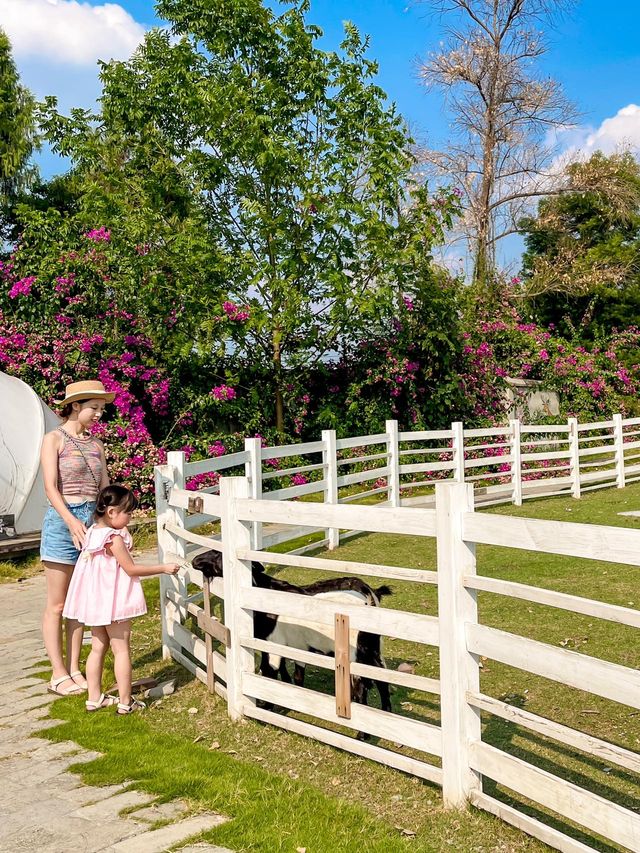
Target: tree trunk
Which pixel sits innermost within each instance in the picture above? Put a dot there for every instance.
(483, 267)
(279, 411)
(277, 375)
(481, 258)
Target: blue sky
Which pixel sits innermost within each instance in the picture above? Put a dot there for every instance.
(594, 53)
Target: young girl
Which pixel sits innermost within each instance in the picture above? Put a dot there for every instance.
(74, 470)
(105, 592)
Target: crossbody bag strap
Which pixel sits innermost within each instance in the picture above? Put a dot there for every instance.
(77, 444)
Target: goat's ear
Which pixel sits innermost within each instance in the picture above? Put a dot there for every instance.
(258, 568)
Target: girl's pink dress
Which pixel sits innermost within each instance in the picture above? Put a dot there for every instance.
(101, 592)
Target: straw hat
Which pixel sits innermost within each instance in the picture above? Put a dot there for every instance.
(90, 389)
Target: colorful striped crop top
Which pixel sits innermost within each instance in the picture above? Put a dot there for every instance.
(79, 466)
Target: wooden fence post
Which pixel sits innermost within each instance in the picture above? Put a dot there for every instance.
(393, 463)
(343, 667)
(618, 436)
(236, 576)
(459, 669)
(574, 456)
(167, 476)
(176, 459)
(253, 472)
(330, 461)
(163, 478)
(457, 428)
(516, 464)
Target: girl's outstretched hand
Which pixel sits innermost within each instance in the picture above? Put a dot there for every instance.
(170, 568)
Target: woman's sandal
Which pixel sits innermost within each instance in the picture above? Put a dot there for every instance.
(103, 702)
(135, 705)
(54, 687)
(74, 675)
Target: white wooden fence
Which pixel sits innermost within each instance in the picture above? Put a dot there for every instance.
(510, 463)
(452, 754)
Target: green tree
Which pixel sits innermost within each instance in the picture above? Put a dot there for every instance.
(582, 260)
(300, 166)
(162, 265)
(17, 129)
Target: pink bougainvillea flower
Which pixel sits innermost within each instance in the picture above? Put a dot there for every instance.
(216, 449)
(223, 392)
(235, 312)
(99, 235)
(203, 481)
(22, 287)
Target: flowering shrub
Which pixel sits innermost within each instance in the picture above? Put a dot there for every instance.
(591, 383)
(48, 362)
(85, 305)
(409, 371)
(75, 319)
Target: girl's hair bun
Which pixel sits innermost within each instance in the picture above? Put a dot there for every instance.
(116, 496)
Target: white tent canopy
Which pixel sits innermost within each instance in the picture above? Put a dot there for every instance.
(24, 419)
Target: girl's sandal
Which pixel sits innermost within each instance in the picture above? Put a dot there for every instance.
(135, 705)
(54, 687)
(103, 702)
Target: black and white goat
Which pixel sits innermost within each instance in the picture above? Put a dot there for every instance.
(365, 647)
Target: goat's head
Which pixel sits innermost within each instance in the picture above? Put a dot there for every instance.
(210, 564)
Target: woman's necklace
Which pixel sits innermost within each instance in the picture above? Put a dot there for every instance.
(74, 436)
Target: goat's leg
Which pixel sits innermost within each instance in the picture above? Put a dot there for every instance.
(382, 686)
(359, 693)
(265, 667)
(298, 674)
(369, 651)
(385, 695)
(284, 672)
(269, 672)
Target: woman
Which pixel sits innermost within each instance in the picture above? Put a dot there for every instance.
(74, 470)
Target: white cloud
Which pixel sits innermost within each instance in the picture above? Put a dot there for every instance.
(69, 32)
(619, 132)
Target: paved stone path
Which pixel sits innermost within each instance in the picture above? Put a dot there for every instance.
(43, 806)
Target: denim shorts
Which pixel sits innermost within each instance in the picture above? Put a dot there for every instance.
(56, 544)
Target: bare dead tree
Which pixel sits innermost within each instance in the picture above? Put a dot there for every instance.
(504, 113)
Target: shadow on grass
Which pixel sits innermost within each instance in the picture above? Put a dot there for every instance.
(501, 734)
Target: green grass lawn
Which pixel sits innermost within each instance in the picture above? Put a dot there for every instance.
(284, 792)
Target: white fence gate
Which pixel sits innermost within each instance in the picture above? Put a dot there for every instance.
(453, 753)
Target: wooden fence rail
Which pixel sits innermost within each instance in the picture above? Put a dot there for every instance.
(506, 464)
(452, 754)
